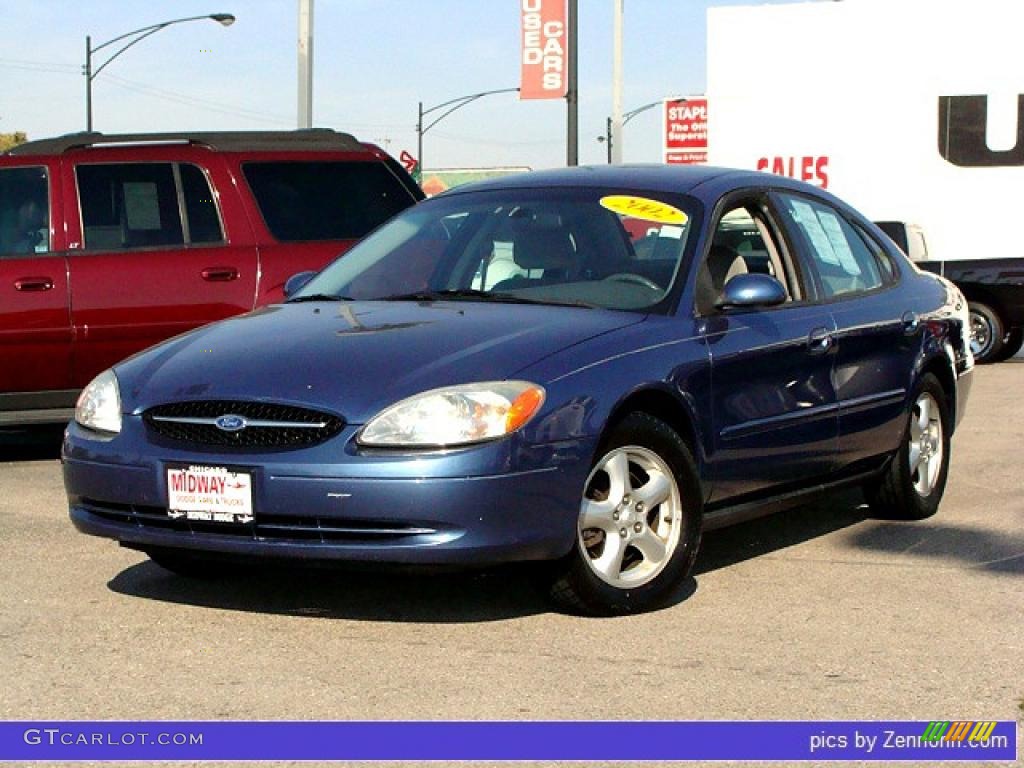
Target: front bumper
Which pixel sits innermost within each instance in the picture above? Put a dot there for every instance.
(493, 503)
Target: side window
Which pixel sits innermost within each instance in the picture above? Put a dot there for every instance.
(840, 255)
(24, 211)
(129, 205)
(200, 207)
(325, 200)
(886, 268)
(742, 243)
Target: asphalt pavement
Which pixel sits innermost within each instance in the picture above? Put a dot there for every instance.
(820, 612)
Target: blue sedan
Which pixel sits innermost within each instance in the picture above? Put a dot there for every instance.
(588, 366)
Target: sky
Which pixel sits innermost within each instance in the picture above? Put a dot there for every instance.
(374, 60)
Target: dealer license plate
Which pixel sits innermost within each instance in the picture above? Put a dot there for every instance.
(209, 494)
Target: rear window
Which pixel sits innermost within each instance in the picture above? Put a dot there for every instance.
(325, 200)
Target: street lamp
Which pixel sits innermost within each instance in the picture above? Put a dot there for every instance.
(458, 103)
(226, 19)
(626, 117)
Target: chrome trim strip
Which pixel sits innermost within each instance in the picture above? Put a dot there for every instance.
(212, 422)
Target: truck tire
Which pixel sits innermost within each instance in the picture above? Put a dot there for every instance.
(987, 332)
(1012, 343)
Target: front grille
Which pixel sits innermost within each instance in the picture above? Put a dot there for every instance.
(267, 527)
(269, 425)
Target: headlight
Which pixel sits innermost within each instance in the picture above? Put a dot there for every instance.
(99, 405)
(469, 413)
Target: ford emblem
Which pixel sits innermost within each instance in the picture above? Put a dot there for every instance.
(231, 423)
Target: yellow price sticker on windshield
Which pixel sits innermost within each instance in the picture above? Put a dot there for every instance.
(644, 209)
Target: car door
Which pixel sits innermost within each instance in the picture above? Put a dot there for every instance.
(773, 406)
(35, 323)
(878, 331)
(155, 258)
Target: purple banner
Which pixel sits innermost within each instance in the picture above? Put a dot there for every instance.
(590, 741)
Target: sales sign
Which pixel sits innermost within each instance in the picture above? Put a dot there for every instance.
(544, 57)
(686, 131)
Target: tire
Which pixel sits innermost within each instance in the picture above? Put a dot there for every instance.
(190, 566)
(913, 483)
(1012, 343)
(987, 332)
(655, 526)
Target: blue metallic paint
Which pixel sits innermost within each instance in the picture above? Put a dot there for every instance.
(761, 410)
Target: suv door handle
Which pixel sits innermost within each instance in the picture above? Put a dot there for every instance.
(219, 274)
(33, 284)
(819, 341)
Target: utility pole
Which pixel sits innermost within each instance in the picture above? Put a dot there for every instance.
(305, 116)
(615, 128)
(572, 90)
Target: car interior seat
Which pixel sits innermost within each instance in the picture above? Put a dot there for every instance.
(722, 264)
(547, 249)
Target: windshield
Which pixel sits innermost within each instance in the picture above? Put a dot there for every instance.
(589, 247)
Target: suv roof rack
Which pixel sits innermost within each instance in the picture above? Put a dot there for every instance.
(227, 141)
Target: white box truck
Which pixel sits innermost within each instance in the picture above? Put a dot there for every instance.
(911, 110)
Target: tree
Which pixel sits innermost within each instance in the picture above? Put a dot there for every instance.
(8, 140)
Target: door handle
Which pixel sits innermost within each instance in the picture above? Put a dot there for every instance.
(819, 341)
(33, 284)
(219, 274)
(911, 322)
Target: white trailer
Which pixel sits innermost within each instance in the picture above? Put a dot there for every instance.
(911, 110)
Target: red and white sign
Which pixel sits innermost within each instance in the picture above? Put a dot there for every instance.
(545, 49)
(408, 161)
(686, 131)
(209, 493)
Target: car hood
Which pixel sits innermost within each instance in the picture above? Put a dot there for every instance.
(355, 358)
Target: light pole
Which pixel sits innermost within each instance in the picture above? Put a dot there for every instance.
(225, 19)
(455, 104)
(607, 138)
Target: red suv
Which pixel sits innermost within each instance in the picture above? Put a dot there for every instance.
(109, 244)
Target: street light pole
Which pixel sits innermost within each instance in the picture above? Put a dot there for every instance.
(610, 136)
(225, 19)
(458, 103)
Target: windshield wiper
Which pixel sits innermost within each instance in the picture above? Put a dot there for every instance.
(475, 294)
(318, 297)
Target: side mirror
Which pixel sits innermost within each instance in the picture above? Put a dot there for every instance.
(750, 291)
(296, 283)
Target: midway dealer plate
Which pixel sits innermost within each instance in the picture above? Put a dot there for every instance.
(209, 494)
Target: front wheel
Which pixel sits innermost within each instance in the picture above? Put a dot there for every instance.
(913, 484)
(639, 523)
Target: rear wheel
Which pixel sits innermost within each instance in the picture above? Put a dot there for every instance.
(986, 332)
(639, 523)
(915, 480)
(1012, 343)
(184, 564)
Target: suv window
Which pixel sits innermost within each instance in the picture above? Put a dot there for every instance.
(840, 255)
(325, 200)
(24, 211)
(200, 207)
(136, 205)
(129, 205)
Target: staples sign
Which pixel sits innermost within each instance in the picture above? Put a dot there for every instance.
(545, 43)
(686, 131)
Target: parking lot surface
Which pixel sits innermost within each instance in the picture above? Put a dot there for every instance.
(816, 613)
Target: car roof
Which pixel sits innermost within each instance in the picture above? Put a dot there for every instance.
(706, 182)
(225, 141)
(662, 178)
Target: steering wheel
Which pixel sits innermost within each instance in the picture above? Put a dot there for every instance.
(632, 277)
